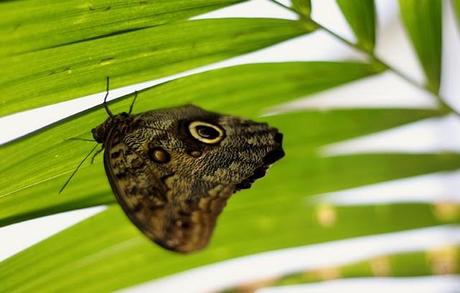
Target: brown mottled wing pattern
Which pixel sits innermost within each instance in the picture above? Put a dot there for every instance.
(149, 201)
(173, 186)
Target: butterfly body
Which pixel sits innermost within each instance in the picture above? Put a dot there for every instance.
(172, 170)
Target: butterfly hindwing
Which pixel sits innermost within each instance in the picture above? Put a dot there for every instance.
(163, 207)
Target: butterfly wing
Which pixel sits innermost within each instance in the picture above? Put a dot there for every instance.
(173, 170)
(164, 206)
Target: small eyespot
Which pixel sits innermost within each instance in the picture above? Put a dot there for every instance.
(206, 132)
(196, 154)
(159, 155)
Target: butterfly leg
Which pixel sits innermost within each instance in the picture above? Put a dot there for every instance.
(106, 107)
(132, 103)
(95, 154)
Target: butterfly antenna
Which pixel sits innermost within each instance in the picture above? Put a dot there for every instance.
(76, 169)
(132, 103)
(106, 107)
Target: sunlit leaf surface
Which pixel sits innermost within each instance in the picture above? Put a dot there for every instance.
(108, 247)
(61, 73)
(33, 176)
(52, 51)
(31, 25)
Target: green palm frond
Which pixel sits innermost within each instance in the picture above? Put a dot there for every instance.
(52, 52)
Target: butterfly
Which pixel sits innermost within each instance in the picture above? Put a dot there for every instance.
(172, 170)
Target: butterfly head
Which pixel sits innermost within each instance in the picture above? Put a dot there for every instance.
(120, 122)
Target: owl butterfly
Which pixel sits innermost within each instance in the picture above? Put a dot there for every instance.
(173, 170)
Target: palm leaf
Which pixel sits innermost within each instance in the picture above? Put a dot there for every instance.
(360, 15)
(408, 264)
(123, 257)
(56, 74)
(423, 22)
(46, 160)
(456, 6)
(33, 25)
(48, 60)
(303, 7)
(107, 253)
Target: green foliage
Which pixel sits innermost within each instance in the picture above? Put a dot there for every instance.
(46, 160)
(360, 15)
(407, 264)
(423, 22)
(456, 6)
(108, 247)
(55, 51)
(303, 7)
(28, 26)
(59, 73)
